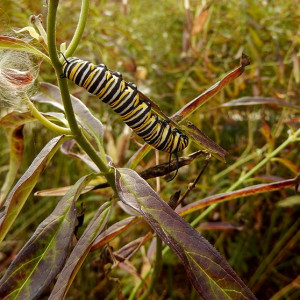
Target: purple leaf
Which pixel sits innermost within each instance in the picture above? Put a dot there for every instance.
(41, 259)
(208, 271)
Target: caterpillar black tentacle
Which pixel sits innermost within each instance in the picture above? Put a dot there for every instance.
(124, 99)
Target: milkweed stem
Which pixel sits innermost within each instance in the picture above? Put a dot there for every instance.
(65, 95)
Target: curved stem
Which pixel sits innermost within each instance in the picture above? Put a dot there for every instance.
(44, 121)
(79, 29)
(65, 95)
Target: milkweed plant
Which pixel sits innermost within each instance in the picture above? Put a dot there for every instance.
(48, 263)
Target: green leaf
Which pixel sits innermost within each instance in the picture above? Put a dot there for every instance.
(291, 201)
(13, 124)
(11, 43)
(80, 251)
(210, 274)
(50, 94)
(20, 192)
(41, 259)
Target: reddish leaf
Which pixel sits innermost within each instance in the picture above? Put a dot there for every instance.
(190, 107)
(251, 190)
(13, 124)
(113, 231)
(44, 254)
(266, 132)
(131, 248)
(20, 192)
(259, 100)
(224, 226)
(210, 274)
(80, 251)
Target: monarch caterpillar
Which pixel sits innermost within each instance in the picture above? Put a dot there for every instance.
(125, 99)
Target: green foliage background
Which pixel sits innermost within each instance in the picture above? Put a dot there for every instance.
(150, 46)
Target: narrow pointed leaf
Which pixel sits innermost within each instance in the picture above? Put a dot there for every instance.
(80, 251)
(13, 124)
(260, 100)
(43, 256)
(204, 141)
(127, 251)
(11, 43)
(113, 231)
(190, 107)
(20, 192)
(60, 191)
(248, 191)
(210, 274)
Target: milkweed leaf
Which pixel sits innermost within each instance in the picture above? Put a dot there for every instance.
(80, 251)
(210, 274)
(42, 257)
(20, 192)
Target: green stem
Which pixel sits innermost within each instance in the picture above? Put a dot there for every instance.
(156, 269)
(65, 95)
(145, 276)
(292, 138)
(44, 121)
(79, 29)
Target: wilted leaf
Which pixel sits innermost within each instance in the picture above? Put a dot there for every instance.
(31, 30)
(131, 248)
(50, 94)
(113, 231)
(13, 124)
(60, 191)
(200, 21)
(80, 251)
(266, 132)
(44, 254)
(20, 192)
(11, 43)
(204, 141)
(210, 274)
